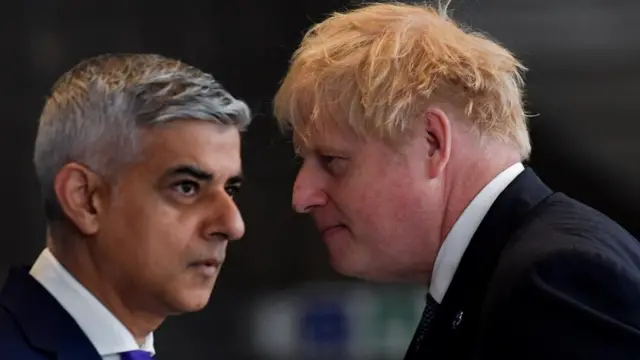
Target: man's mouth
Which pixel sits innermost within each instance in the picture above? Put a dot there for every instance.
(207, 267)
(330, 230)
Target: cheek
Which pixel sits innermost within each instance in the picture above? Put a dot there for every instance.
(383, 209)
(150, 229)
(383, 212)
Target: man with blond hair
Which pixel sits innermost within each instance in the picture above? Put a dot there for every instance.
(413, 135)
(138, 157)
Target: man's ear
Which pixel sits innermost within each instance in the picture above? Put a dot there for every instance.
(77, 190)
(437, 133)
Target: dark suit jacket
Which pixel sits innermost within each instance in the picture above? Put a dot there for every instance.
(33, 325)
(544, 277)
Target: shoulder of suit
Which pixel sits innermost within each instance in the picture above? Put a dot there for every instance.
(12, 340)
(562, 230)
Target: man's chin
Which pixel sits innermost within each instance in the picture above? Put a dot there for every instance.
(192, 301)
(364, 272)
(349, 268)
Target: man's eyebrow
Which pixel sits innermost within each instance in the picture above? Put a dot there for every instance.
(236, 180)
(202, 175)
(326, 149)
(192, 171)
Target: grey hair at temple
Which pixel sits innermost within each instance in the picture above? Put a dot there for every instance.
(95, 110)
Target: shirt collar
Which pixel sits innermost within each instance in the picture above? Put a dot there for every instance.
(458, 238)
(107, 334)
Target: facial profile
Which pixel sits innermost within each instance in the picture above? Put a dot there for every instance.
(368, 201)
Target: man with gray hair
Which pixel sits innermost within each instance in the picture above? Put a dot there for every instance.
(138, 157)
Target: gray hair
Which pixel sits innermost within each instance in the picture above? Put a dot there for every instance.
(95, 109)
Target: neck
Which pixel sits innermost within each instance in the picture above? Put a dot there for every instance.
(465, 183)
(76, 257)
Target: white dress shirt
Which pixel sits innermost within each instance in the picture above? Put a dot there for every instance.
(107, 334)
(458, 238)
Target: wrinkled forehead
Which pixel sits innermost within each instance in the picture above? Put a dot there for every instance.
(329, 136)
(316, 114)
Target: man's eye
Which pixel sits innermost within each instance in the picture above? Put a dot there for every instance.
(232, 190)
(327, 160)
(187, 188)
(332, 164)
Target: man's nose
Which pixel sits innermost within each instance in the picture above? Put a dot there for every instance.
(227, 220)
(308, 191)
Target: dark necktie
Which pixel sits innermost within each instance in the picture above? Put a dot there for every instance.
(136, 355)
(428, 315)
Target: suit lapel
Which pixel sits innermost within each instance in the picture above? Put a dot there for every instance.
(461, 307)
(47, 326)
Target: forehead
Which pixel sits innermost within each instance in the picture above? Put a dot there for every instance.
(326, 139)
(210, 147)
(367, 151)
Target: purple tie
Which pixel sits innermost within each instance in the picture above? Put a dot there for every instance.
(136, 355)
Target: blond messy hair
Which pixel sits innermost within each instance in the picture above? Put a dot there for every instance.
(376, 68)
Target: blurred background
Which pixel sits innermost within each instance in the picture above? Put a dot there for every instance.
(277, 297)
